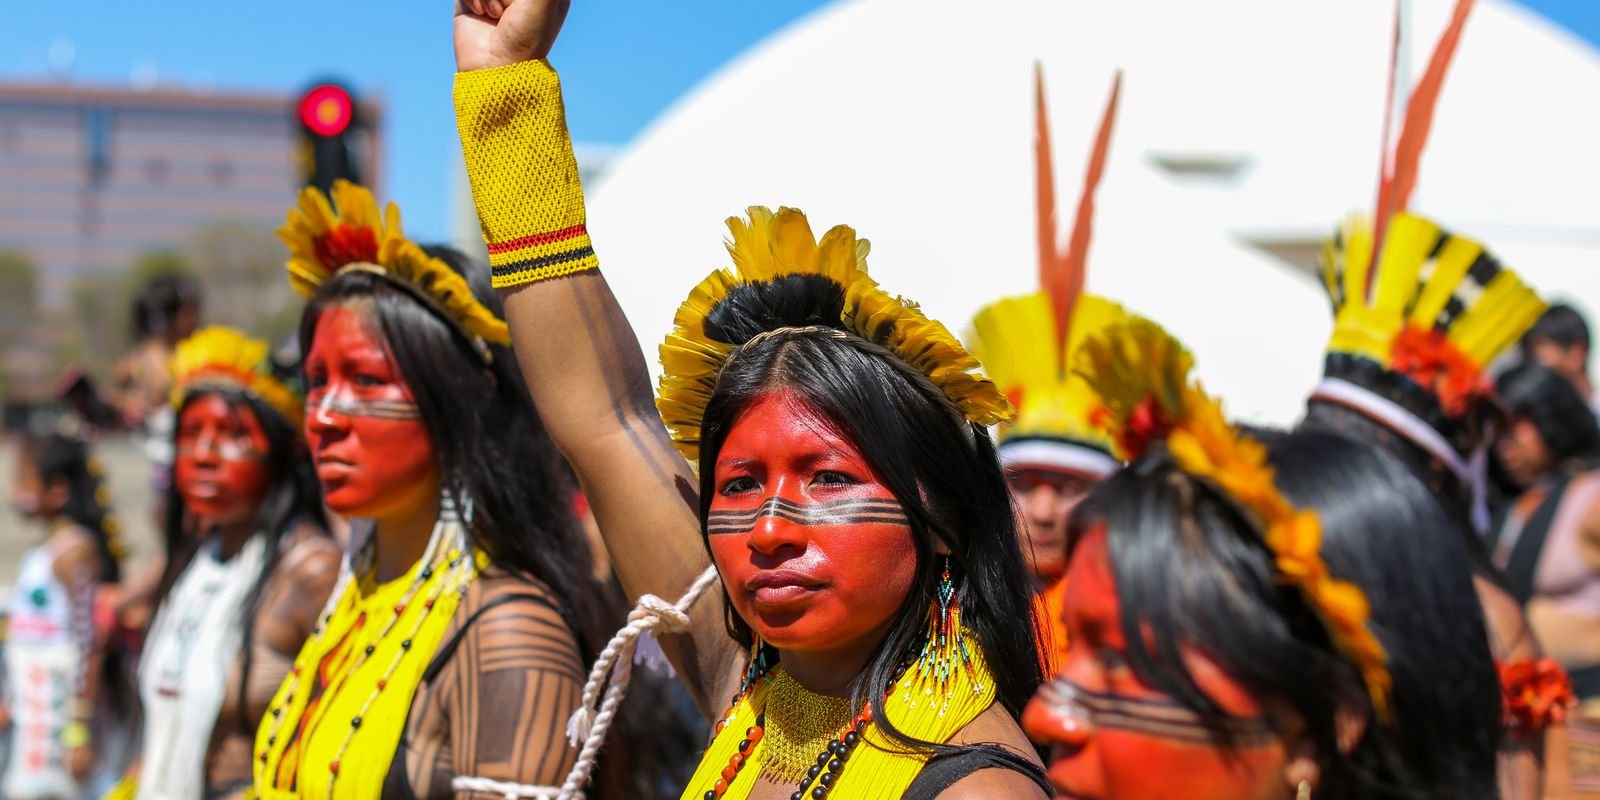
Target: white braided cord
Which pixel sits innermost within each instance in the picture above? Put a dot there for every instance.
(602, 695)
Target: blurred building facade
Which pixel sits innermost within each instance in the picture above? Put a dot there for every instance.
(93, 180)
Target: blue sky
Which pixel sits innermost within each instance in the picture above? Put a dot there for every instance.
(623, 61)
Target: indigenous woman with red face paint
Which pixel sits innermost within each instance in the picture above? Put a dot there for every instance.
(1245, 623)
(827, 453)
(457, 639)
(57, 679)
(250, 568)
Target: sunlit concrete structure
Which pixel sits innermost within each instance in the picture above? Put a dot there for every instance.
(1248, 129)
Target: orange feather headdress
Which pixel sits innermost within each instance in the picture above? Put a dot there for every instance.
(1026, 343)
(1141, 376)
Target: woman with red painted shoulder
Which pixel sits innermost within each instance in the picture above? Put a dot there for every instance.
(1245, 623)
(457, 640)
(828, 455)
(250, 567)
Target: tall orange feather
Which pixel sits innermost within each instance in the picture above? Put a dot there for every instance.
(1062, 273)
(1052, 261)
(1396, 194)
(1385, 153)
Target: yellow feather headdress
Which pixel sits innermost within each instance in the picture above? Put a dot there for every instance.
(1413, 300)
(224, 357)
(1026, 343)
(1141, 374)
(768, 246)
(327, 238)
(1432, 306)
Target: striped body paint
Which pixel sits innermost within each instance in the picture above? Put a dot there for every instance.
(372, 409)
(842, 512)
(1161, 717)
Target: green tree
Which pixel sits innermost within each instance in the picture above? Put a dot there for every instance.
(19, 287)
(240, 266)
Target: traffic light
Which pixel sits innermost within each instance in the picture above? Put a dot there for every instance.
(329, 119)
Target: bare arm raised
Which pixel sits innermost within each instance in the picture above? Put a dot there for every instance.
(579, 355)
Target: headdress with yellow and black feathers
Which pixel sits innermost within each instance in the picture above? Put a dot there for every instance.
(1419, 312)
(1026, 343)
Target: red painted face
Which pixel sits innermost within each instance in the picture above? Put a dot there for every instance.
(221, 464)
(370, 447)
(1046, 497)
(1114, 738)
(815, 551)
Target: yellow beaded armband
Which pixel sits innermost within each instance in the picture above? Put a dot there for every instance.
(524, 176)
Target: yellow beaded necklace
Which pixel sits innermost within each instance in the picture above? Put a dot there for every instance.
(335, 724)
(856, 761)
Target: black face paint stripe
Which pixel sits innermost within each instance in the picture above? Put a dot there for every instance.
(840, 512)
(1164, 718)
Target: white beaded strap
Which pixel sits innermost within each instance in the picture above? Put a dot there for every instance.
(601, 697)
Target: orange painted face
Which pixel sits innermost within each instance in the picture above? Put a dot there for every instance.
(372, 452)
(221, 466)
(1112, 737)
(815, 551)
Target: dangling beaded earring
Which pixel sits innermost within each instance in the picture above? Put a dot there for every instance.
(756, 667)
(945, 649)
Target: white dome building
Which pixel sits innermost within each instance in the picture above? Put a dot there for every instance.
(1248, 128)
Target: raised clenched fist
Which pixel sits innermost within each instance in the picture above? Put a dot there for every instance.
(494, 33)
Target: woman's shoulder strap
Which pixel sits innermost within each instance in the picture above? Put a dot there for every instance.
(944, 771)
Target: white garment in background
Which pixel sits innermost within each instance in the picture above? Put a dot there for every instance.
(42, 672)
(188, 654)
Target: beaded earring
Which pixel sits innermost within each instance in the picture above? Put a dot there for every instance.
(757, 667)
(945, 649)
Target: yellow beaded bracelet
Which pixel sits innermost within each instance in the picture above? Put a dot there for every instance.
(524, 175)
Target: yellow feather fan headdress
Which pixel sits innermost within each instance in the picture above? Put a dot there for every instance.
(223, 357)
(326, 238)
(1026, 343)
(771, 245)
(1141, 375)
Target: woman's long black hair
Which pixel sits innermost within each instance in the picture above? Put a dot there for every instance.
(1191, 569)
(942, 469)
(1551, 404)
(65, 458)
(492, 447)
(293, 501)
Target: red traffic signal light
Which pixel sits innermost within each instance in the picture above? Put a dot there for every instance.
(327, 110)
